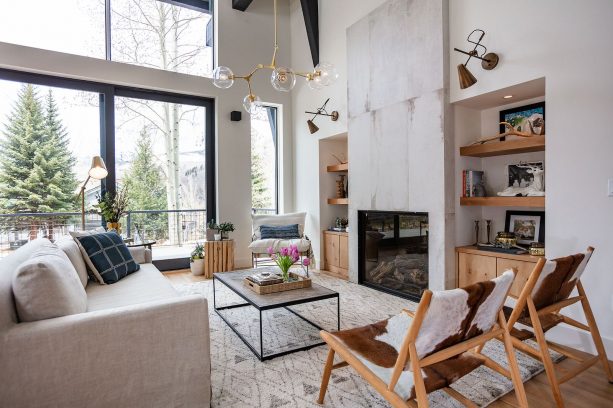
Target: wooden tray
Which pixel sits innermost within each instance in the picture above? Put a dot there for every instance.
(301, 283)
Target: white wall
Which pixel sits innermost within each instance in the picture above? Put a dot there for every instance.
(244, 39)
(558, 40)
(334, 18)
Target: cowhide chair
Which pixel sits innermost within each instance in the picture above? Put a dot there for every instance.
(546, 292)
(412, 354)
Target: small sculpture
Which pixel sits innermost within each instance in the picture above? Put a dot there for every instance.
(535, 189)
(535, 124)
(476, 233)
(488, 224)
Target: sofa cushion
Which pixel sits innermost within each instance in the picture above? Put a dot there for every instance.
(47, 285)
(107, 256)
(260, 246)
(146, 285)
(97, 230)
(71, 249)
(277, 219)
(279, 231)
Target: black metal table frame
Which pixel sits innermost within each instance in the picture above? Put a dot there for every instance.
(260, 355)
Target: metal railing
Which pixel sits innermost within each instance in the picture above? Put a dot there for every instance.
(264, 210)
(166, 227)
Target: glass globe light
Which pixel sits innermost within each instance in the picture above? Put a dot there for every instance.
(328, 73)
(283, 79)
(252, 104)
(315, 83)
(223, 77)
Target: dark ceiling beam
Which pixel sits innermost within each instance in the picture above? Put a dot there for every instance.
(310, 11)
(241, 5)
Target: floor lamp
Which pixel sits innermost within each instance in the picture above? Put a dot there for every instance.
(97, 171)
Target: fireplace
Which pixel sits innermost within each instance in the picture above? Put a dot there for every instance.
(393, 252)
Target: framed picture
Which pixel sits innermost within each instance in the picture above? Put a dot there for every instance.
(527, 118)
(523, 174)
(528, 226)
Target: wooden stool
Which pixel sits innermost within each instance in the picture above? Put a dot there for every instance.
(218, 257)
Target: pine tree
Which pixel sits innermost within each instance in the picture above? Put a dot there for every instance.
(36, 172)
(259, 191)
(146, 189)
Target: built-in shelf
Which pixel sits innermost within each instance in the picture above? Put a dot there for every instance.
(523, 145)
(340, 201)
(338, 167)
(504, 201)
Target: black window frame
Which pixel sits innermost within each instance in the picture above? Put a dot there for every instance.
(107, 94)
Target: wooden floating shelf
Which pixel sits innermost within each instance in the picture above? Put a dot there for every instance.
(338, 167)
(504, 201)
(340, 201)
(523, 145)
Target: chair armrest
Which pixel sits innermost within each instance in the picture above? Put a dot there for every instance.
(158, 351)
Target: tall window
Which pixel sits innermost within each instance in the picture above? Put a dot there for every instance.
(157, 146)
(264, 161)
(170, 35)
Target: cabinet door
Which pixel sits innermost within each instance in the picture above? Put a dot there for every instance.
(524, 269)
(331, 244)
(475, 268)
(343, 260)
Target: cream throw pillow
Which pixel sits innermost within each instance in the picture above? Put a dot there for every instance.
(47, 285)
(71, 249)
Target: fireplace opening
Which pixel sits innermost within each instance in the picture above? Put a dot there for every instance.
(393, 252)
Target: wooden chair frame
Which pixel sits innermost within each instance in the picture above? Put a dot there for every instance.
(542, 354)
(408, 355)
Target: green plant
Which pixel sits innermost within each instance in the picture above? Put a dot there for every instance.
(197, 253)
(113, 206)
(226, 227)
(212, 225)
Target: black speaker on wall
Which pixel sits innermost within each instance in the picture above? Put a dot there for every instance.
(235, 116)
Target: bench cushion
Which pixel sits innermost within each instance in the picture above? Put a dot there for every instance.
(260, 246)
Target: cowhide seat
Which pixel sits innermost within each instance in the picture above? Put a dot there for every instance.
(412, 354)
(538, 307)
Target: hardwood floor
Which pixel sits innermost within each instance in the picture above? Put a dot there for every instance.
(589, 389)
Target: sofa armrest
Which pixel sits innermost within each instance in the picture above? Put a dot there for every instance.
(148, 255)
(151, 354)
(141, 254)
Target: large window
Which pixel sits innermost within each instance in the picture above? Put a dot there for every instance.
(264, 161)
(157, 146)
(170, 35)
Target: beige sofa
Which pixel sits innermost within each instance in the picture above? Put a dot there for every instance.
(140, 344)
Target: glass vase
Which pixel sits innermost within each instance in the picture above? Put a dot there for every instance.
(285, 274)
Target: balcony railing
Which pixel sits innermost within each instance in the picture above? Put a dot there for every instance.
(166, 227)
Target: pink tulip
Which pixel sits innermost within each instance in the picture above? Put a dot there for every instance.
(306, 261)
(284, 251)
(270, 251)
(293, 247)
(295, 258)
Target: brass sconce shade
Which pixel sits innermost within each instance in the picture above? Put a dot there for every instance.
(467, 79)
(320, 111)
(489, 60)
(312, 126)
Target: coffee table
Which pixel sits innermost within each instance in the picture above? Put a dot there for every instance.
(234, 281)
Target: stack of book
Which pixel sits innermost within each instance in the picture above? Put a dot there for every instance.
(265, 278)
(470, 178)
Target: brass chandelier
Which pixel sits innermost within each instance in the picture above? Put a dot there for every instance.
(283, 79)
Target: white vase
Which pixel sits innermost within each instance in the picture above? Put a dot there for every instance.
(217, 237)
(197, 267)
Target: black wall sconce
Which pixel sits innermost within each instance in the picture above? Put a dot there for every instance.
(320, 112)
(488, 60)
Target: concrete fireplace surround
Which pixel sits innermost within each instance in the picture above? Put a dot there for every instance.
(399, 119)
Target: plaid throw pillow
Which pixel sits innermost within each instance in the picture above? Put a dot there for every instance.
(279, 231)
(107, 256)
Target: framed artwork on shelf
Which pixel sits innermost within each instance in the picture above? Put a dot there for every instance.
(528, 226)
(527, 118)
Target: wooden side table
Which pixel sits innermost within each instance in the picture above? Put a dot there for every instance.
(218, 257)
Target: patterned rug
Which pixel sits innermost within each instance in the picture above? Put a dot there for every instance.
(240, 380)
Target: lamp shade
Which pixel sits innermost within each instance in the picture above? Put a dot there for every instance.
(466, 78)
(98, 170)
(312, 126)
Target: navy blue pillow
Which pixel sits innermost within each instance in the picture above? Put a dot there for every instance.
(279, 231)
(109, 255)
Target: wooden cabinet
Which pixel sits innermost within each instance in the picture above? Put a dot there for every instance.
(336, 254)
(218, 257)
(474, 265)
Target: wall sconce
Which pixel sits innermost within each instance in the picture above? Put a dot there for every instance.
(320, 111)
(488, 60)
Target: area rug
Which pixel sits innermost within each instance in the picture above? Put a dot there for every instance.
(239, 379)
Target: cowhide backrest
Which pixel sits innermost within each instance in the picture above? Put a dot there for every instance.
(460, 314)
(558, 279)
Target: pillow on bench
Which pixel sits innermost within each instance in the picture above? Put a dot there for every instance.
(279, 231)
(107, 256)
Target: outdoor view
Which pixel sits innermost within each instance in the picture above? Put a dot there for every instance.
(48, 135)
(264, 161)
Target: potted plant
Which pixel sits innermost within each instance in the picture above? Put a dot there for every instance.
(196, 260)
(211, 227)
(112, 207)
(225, 228)
(285, 258)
